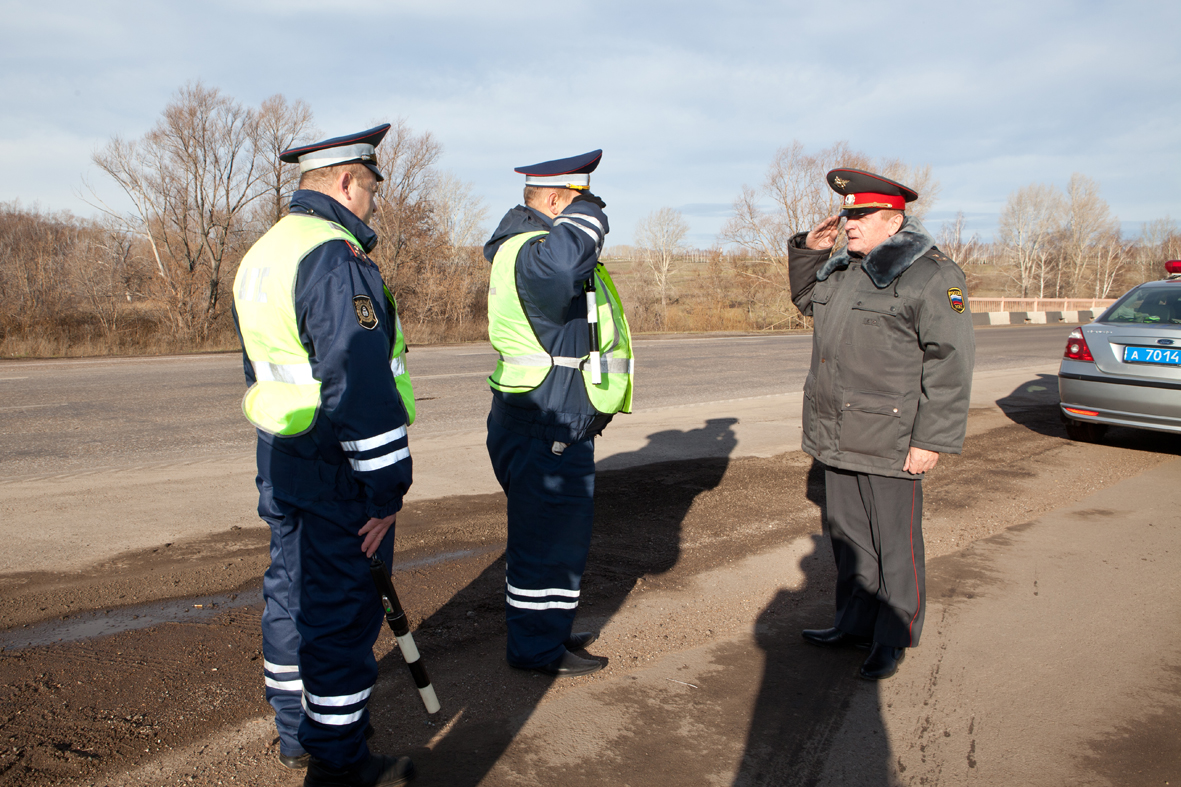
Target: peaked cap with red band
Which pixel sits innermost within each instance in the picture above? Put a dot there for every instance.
(563, 173)
(865, 190)
(360, 147)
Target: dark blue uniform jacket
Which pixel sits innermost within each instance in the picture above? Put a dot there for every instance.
(551, 272)
(352, 451)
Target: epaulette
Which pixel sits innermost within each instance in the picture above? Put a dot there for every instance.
(936, 254)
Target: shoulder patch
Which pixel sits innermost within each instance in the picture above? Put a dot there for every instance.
(367, 316)
(956, 297)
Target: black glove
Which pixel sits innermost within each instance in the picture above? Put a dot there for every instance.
(586, 196)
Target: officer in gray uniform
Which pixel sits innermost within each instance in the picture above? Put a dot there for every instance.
(887, 393)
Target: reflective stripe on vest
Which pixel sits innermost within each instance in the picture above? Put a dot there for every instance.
(524, 364)
(285, 397)
(609, 365)
(295, 373)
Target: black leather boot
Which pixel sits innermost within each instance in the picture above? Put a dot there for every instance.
(580, 640)
(378, 771)
(883, 662)
(835, 638)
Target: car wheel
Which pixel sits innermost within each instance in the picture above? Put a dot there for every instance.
(1085, 432)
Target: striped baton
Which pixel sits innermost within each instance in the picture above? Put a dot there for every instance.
(592, 324)
(396, 618)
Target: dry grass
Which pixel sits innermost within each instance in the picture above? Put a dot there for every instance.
(434, 332)
(79, 337)
(709, 292)
(986, 280)
(438, 310)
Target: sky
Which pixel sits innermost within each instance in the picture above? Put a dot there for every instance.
(688, 100)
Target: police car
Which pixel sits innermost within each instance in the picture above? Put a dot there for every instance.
(1125, 367)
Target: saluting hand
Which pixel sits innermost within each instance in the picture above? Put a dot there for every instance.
(586, 196)
(824, 234)
(374, 531)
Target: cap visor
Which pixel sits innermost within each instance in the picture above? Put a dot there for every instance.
(373, 168)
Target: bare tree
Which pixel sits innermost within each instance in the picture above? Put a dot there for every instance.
(918, 177)
(1088, 220)
(1159, 242)
(792, 199)
(106, 275)
(799, 198)
(191, 180)
(403, 216)
(449, 286)
(1170, 246)
(951, 241)
(203, 184)
(35, 254)
(1112, 257)
(280, 126)
(660, 240)
(459, 214)
(1028, 223)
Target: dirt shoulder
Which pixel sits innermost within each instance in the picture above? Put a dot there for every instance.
(698, 571)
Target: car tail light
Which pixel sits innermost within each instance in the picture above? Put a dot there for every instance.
(1076, 347)
(1080, 411)
(1173, 266)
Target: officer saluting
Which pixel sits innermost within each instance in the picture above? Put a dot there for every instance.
(331, 400)
(559, 380)
(887, 392)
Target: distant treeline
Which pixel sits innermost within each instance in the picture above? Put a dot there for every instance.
(206, 182)
(1049, 244)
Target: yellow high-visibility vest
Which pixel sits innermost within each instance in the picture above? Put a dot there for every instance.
(524, 364)
(285, 397)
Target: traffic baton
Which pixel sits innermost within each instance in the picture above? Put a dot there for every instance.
(592, 324)
(396, 618)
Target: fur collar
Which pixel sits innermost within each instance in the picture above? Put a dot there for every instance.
(890, 258)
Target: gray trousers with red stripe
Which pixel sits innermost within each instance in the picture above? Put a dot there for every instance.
(876, 526)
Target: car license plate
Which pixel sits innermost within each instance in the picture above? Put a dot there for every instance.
(1156, 355)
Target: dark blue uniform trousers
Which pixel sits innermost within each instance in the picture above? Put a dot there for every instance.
(876, 525)
(321, 618)
(550, 517)
(280, 640)
(338, 620)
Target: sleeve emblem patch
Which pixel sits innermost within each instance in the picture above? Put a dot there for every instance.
(367, 317)
(956, 296)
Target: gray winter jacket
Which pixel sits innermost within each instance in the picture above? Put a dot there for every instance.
(892, 351)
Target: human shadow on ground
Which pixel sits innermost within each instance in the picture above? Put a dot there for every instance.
(637, 534)
(811, 700)
(1034, 405)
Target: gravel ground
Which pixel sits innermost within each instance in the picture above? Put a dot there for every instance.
(686, 555)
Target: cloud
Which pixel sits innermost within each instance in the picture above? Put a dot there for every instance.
(689, 100)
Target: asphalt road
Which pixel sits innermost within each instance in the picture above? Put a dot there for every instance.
(64, 415)
(129, 650)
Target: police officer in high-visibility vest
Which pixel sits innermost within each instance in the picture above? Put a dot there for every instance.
(565, 369)
(331, 399)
